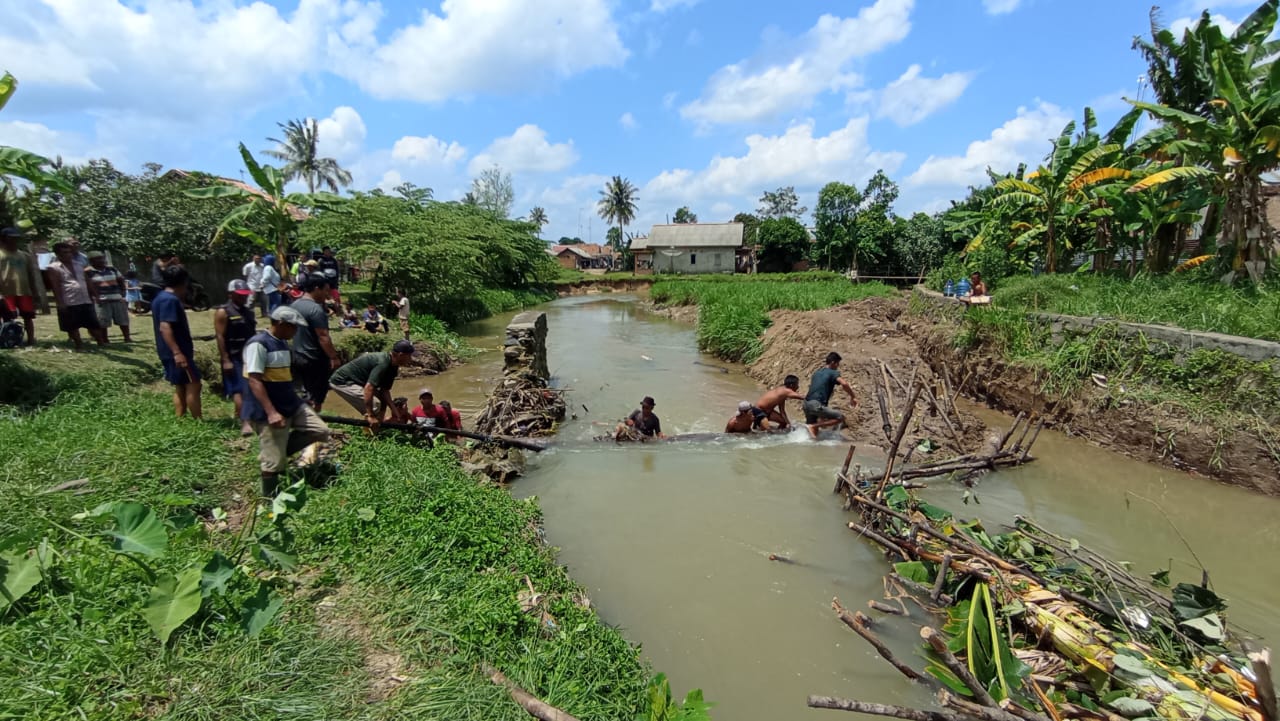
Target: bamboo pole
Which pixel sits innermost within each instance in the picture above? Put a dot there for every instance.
(855, 621)
(505, 441)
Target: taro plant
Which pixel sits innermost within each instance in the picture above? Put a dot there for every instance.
(136, 534)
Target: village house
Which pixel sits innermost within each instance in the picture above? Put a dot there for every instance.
(691, 248)
(582, 256)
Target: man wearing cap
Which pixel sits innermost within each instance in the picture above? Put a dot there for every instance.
(106, 288)
(743, 421)
(314, 356)
(18, 282)
(283, 422)
(641, 421)
(366, 382)
(233, 326)
(75, 306)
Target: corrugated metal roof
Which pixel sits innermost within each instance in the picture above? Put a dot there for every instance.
(691, 235)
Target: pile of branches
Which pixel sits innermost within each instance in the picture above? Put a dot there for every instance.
(522, 405)
(1040, 628)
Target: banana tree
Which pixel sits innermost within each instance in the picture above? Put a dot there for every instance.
(1237, 139)
(19, 166)
(269, 206)
(1052, 198)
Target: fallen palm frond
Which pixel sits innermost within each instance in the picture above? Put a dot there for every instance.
(1040, 627)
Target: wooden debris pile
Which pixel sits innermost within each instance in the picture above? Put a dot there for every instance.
(522, 406)
(1040, 628)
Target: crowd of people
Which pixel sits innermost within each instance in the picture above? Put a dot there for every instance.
(768, 414)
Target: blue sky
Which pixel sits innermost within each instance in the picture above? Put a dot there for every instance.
(704, 103)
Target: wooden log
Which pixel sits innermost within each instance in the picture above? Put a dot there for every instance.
(886, 426)
(504, 441)
(880, 709)
(889, 545)
(886, 608)
(897, 438)
(1005, 437)
(942, 576)
(1025, 429)
(1027, 451)
(888, 392)
(919, 589)
(987, 713)
(1260, 662)
(939, 646)
(853, 621)
(842, 478)
(527, 701)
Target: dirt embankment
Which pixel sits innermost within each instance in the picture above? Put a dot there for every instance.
(603, 285)
(865, 333)
(874, 330)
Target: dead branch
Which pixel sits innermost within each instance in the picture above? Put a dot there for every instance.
(852, 620)
(535, 708)
(879, 709)
(939, 646)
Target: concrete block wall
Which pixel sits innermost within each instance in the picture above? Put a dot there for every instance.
(525, 347)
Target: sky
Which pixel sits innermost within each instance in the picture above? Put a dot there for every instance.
(704, 103)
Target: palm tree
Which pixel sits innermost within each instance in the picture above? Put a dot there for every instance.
(617, 204)
(300, 150)
(1235, 139)
(1053, 197)
(538, 217)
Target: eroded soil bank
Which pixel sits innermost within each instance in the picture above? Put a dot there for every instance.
(870, 331)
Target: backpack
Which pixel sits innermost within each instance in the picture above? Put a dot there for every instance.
(11, 334)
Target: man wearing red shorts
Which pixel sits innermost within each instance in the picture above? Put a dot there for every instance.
(17, 282)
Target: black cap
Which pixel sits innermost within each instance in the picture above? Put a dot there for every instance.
(647, 401)
(403, 346)
(11, 233)
(313, 281)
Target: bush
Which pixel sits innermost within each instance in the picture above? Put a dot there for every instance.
(354, 342)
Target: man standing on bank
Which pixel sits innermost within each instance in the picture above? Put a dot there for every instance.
(106, 288)
(283, 422)
(366, 382)
(817, 415)
(174, 344)
(314, 356)
(233, 326)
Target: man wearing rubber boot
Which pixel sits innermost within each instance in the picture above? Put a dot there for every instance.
(283, 422)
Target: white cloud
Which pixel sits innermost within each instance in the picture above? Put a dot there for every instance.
(526, 151)
(1025, 138)
(912, 98)
(389, 181)
(752, 90)
(417, 150)
(1180, 26)
(41, 140)
(1000, 7)
(341, 134)
(662, 6)
(628, 121)
(796, 157)
(473, 47)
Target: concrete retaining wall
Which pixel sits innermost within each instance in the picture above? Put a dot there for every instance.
(525, 348)
(1250, 349)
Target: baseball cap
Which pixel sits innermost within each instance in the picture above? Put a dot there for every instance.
(239, 287)
(285, 314)
(425, 392)
(312, 263)
(403, 346)
(96, 254)
(11, 233)
(744, 406)
(647, 401)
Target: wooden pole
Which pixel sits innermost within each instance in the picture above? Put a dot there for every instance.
(527, 701)
(1005, 438)
(888, 545)
(879, 709)
(884, 414)
(897, 438)
(855, 621)
(505, 441)
(942, 576)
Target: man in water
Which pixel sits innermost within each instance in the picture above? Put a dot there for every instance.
(772, 406)
(743, 421)
(642, 422)
(817, 415)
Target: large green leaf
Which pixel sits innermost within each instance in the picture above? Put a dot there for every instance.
(258, 611)
(256, 172)
(217, 191)
(1210, 626)
(138, 530)
(173, 600)
(1191, 601)
(276, 556)
(8, 84)
(215, 574)
(19, 573)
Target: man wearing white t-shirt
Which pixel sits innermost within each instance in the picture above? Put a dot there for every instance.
(252, 273)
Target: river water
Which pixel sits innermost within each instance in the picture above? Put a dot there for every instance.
(672, 542)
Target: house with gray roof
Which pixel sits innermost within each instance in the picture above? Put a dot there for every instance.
(690, 248)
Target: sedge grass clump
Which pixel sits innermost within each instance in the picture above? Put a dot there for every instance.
(733, 311)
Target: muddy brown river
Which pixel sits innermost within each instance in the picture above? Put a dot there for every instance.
(673, 542)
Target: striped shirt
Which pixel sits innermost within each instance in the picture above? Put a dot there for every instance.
(108, 282)
(269, 356)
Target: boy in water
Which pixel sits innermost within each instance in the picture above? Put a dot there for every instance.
(772, 406)
(743, 421)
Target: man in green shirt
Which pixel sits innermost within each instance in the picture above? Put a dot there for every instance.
(817, 415)
(366, 382)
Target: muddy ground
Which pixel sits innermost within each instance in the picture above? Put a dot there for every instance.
(877, 330)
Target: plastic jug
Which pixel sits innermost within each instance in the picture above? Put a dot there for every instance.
(949, 289)
(962, 287)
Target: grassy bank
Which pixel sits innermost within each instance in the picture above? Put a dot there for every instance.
(733, 310)
(1170, 300)
(377, 597)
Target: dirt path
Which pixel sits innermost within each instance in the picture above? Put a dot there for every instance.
(866, 333)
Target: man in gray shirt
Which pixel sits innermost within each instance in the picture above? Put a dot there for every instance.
(314, 357)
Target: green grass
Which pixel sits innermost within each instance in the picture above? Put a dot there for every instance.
(428, 561)
(1170, 300)
(733, 310)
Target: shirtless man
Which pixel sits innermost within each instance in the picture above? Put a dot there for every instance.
(772, 406)
(743, 422)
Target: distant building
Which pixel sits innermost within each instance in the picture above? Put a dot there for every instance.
(582, 256)
(691, 248)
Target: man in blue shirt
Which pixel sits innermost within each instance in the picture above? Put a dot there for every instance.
(283, 422)
(173, 341)
(817, 415)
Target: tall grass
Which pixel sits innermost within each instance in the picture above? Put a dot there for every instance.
(733, 311)
(1172, 300)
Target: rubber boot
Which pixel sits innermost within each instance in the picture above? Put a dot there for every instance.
(270, 484)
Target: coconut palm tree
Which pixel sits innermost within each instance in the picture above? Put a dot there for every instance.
(538, 217)
(300, 152)
(617, 204)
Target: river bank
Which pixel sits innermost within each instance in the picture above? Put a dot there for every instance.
(1166, 423)
(383, 593)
